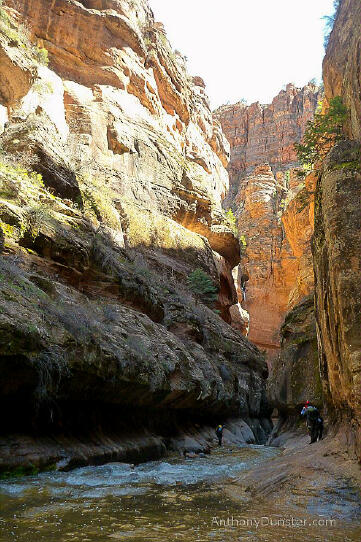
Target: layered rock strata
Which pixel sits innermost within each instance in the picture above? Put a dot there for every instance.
(261, 134)
(112, 174)
(276, 266)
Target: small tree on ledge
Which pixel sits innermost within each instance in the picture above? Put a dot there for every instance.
(202, 287)
(322, 133)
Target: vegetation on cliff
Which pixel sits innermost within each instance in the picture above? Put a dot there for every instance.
(202, 286)
(322, 133)
(330, 21)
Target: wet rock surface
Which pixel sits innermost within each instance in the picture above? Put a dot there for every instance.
(74, 363)
(112, 176)
(123, 442)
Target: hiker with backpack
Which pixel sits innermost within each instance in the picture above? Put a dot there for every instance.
(219, 434)
(314, 421)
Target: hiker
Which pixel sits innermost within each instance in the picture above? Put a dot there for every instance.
(319, 428)
(244, 292)
(243, 287)
(314, 421)
(219, 433)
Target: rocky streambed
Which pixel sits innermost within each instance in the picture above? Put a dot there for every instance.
(216, 497)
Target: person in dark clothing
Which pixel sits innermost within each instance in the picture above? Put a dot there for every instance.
(219, 434)
(314, 421)
(319, 428)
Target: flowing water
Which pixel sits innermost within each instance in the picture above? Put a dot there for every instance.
(190, 500)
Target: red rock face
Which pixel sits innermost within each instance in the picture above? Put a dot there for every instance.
(258, 199)
(274, 209)
(267, 133)
(275, 222)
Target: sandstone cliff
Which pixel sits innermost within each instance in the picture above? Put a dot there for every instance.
(295, 376)
(275, 218)
(336, 246)
(112, 173)
(337, 276)
(261, 134)
(336, 258)
(274, 208)
(341, 65)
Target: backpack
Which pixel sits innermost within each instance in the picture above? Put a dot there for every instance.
(312, 413)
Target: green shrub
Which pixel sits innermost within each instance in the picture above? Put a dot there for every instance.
(33, 219)
(20, 35)
(231, 221)
(19, 472)
(287, 177)
(202, 287)
(7, 28)
(42, 55)
(13, 30)
(16, 180)
(3, 15)
(242, 239)
(322, 133)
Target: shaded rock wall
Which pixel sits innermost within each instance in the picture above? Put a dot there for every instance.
(295, 376)
(336, 260)
(338, 228)
(122, 443)
(97, 250)
(337, 276)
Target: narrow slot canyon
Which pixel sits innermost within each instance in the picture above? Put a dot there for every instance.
(180, 303)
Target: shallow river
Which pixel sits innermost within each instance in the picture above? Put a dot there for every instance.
(193, 500)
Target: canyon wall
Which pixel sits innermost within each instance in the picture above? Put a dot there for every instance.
(112, 174)
(260, 134)
(341, 65)
(273, 203)
(298, 373)
(276, 223)
(295, 372)
(336, 246)
(295, 376)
